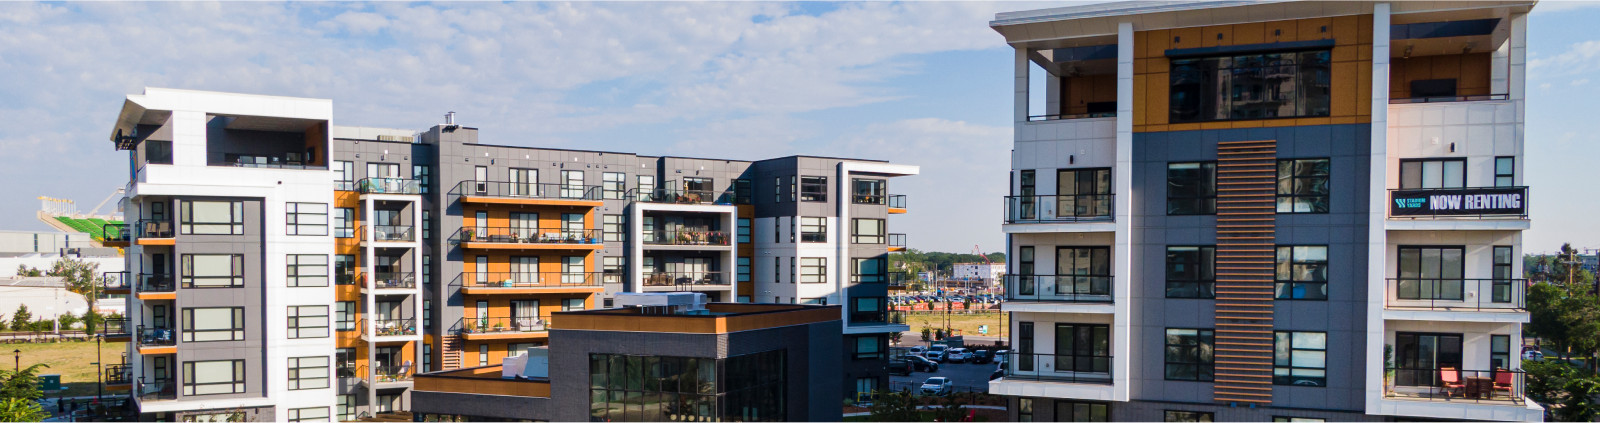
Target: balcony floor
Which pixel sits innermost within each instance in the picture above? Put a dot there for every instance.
(1415, 393)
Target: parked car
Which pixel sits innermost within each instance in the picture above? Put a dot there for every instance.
(957, 355)
(937, 386)
(919, 350)
(1533, 355)
(982, 356)
(902, 367)
(922, 364)
(999, 372)
(935, 353)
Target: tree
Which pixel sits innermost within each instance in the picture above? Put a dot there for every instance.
(21, 410)
(21, 384)
(91, 322)
(81, 277)
(926, 334)
(21, 319)
(66, 320)
(1566, 315)
(893, 407)
(1567, 391)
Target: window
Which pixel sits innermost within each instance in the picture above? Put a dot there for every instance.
(1433, 173)
(742, 191)
(1191, 188)
(424, 176)
(523, 183)
(213, 270)
(1255, 86)
(213, 377)
(344, 314)
(1431, 273)
(1302, 272)
(427, 269)
(777, 190)
(1083, 193)
(744, 231)
(1191, 272)
(813, 229)
(647, 184)
(211, 217)
(427, 357)
(615, 227)
(868, 231)
(1300, 358)
(613, 185)
(483, 354)
(814, 188)
(311, 414)
(572, 184)
(743, 269)
(868, 191)
(1083, 348)
(813, 270)
(572, 304)
(814, 301)
(701, 186)
(347, 408)
(344, 222)
(866, 384)
(1024, 409)
(1026, 361)
(869, 347)
(427, 224)
(427, 313)
(572, 225)
(869, 270)
(308, 270)
(1303, 186)
(1499, 352)
(213, 324)
(1189, 354)
(777, 271)
(344, 269)
(1074, 411)
(308, 373)
(1505, 171)
(572, 270)
(1026, 207)
(307, 219)
(344, 175)
(1083, 271)
(613, 268)
(383, 170)
(480, 176)
(1297, 419)
(1501, 290)
(308, 322)
(867, 309)
(1189, 416)
(794, 189)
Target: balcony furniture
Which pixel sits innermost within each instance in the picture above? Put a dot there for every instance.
(1451, 379)
(1505, 381)
(1479, 387)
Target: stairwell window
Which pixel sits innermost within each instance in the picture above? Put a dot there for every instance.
(1300, 358)
(344, 176)
(1303, 186)
(213, 324)
(308, 322)
(306, 270)
(213, 377)
(1302, 272)
(308, 373)
(1191, 272)
(1192, 188)
(814, 189)
(424, 176)
(213, 270)
(813, 270)
(743, 269)
(344, 222)
(1189, 354)
(307, 219)
(211, 217)
(572, 184)
(814, 229)
(1505, 171)
(744, 230)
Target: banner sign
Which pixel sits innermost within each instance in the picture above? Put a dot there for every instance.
(1459, 202)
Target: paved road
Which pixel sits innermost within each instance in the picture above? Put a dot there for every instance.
(965, 375)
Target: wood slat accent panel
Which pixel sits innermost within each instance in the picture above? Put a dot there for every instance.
(1247, 191)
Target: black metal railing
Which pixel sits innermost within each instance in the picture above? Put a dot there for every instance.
(1093, 365)
(157, 337)
(119, 374)
(392, 280)
(505, 324)
(273, 165)
(674, 196)
(115, 280)
(115, 232)
(349, 279)
(512, 235)
(150, 282)
(1456, 294)
(878, 317)
(709, 277)
(897, 201)
(153, 228)
(1456, 385)
(686, 237)
(1066, 116)
(1059, 208)
(394, 327)
(527, 190)
(528, 279)
(899, 279)
(1448, 98)
(390, 233)
(385, 374)
(114, 326)
(1458, 203)
(389, 186)
(897, 240)
(157, 390)
(1062, 288)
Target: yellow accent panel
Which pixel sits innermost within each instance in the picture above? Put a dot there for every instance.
(1141, 39)
(1345, 80)
(1364, 29)
(1311, 29)
(1184, 126)
(1344, 53)
(1311, 121)
(1344, 29)
(1186, 38)
(1139, 92)
(1249, 33)
(1277, 123)
(1210, 36)
(1216, 125)
(1364, 88)
(157, 241)
(1345, 120)
(1284, 30)
(1247, 124)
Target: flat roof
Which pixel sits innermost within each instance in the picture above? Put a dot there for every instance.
(722, 318)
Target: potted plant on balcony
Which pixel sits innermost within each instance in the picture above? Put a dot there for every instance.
(1388, 369)
(683, 238)
(498, 326)
(466, 235)
(718, 238)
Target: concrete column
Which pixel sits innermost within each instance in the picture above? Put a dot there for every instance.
(1376, 207)
(1122, 204)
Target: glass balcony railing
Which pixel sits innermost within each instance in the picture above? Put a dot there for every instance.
(115, 280)
(1062, 288)
(1458, 386)
(1456, 294)
(1043, 118)
(115, 232)
(157, 390)
(897, 240)
(1091, 365)
(392, 233)
(510, 235)
(114, 326)
(392, 280)
(386, 374)
(1058, 208)
(658, 279)
(505, 324)
(528, 279)
(156, 283)
(157, 337)
(1459, 203)
(877, 317)
(897, 201)
(527, 190)
(389, 186)
(1448, 99)
(672, 196)
(119, 374)
(686, 237)
(153, 228)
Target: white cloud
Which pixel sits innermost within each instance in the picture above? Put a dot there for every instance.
(1579, 58)
(1544, 86)
(1580, 82)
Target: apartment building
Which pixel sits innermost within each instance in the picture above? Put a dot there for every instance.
(1243, 211)
(428, 250)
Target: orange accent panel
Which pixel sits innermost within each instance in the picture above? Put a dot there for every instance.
(1249, 33)
(1345, 82)
(1185, 38)
(157, 241)
(158, 295)
(1216, 125)
(1344, 29)
(531, 291)
(1364, 83)
(1141, 42)
(1210, 34)
(1247, 124)
(1160, 41)
(1364, 29)
(1139, 91)
(1311, 29)
(1184, 127)
(158, 350)
(1344, 53)
(1157, 92)
(1287, 31)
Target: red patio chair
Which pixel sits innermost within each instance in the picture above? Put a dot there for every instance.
(1505, 381)
(1451, 379)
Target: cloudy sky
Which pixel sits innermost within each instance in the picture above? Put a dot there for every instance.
(915, 83)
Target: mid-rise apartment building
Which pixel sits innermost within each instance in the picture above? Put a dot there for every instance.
(327, 265)
(1245, 211)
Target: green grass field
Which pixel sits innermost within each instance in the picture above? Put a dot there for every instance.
(71, 360)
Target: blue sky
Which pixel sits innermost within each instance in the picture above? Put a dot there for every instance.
(916, 83)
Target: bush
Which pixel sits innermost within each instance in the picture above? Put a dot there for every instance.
(67, 320)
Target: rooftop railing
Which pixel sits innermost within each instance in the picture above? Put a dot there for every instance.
(527, 190)
(1058, 208)
(1059, 288)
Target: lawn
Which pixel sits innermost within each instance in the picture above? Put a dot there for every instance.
(70, 360)
(967, 324)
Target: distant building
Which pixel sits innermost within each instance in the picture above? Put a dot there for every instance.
(46, 297)
(18, 242)
(986, 272)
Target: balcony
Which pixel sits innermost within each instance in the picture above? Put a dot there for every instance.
(390, 280)
(1459, 203)
(119, 374)
(1448, 99)
(1059, 208)
(897, 242)
(392, 374)
(522, 193)
(672, 196)
(683, 281)
(157, 287)
(528, 282)
(115, 234)
(505, 327)
(153, 232)
(1046, 118)
(1484, 387)
(389, 233)
(1093, 366)
(1457, 295)
(157, 341)
(115, 327)
(510, 238)
(1059, 288)
(157, 390)
(289, 161)
(389, 186)
(115, 282)
(687, 237)
(877, 318)
(897, 204)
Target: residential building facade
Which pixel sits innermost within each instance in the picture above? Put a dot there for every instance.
(1267, 210)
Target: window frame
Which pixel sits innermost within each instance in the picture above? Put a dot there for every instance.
(1205, 287)
(344, 222)
(1188, 416)
(1289, 366)
(614, 228)
(744, 229)
(1419, 165)
(1293, 179)
(1200, 363)
(1207, 201)
(813, 269)
(344, 175)
(344, 316)
(878, 191)
(240, 378)
(857, 238)
(813, 189)
(424, 175)
(188, 332)
(1510, 172)
(294, 329)
(294, 276)
(743, 266)
(743, 191)
(881, 277)
(879, 342)
(1282, 285)
(293, 215)
(294, 415)
(1097, 357)
(187, 277)
(813, 230)
(1439, 284)
(187, 224)
(613, 185)
(297, 380)
(1220, 70)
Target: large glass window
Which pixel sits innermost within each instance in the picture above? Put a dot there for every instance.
(1302, 272)
(742, 191)
(647, 184)
(1431, 273)
(213, 377)
(1300, 358)
(1083, 271)
(1188, 416)
(615, 227)
(814, 188)
(308, 373)
(1076, 411)
(869, 270)
(308, 322)
(1191, 272)
(743, 269)
(613, 185)
(1256, 86)
(308, 414)
(344, 175)
(307, 219)
(1083, 348)
(211, 217)
(613, 268)
(1433, 173)
(813, 229)
(747, 387)
(1189, 354)
(1303, 186)
(1083, 192)
(213, 324)
(1191, 188)
(867, 347)
(813, 269)
(868, 231)
(344, 222)
(344, 269)
(213, 270)
(1505, 171)
(307, 270)
(344, 313)
(572, 184)
(1499, 352)
(868, 191)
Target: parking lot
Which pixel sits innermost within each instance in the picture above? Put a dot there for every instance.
(966, 376)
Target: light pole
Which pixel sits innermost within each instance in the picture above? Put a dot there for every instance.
(18, 355)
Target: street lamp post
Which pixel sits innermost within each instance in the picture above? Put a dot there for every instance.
(18, 355)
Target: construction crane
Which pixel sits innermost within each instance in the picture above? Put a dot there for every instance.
(979, 252)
